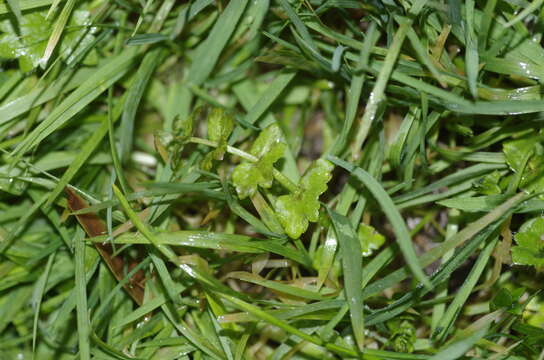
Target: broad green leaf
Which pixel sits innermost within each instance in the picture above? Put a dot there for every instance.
(295, 211)
(525, 157)
(24, 5)
(532, 179)
(516, 152)
(370, 239)
(220, 126)
(29, 46)
(508, 300)
(489, 184)
(267, 149)
(530, 240)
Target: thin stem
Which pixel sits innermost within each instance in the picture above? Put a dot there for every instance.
(281, 178)
(285, 181)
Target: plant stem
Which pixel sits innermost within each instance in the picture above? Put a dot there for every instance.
(281, 178)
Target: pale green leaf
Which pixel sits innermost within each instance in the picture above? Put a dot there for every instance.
(295, 211)
(268, 149)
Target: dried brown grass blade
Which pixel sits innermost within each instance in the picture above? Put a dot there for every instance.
(94, 226)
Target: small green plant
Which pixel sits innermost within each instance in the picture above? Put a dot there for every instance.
(250, 175)
(297, 209)
(272, 179)
(530, 244)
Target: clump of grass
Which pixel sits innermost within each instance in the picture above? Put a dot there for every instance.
(271, 179)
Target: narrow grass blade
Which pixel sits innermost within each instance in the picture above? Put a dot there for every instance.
(53, 8)
(148, 307)
(134, 96)
(299, 25)
(209, 50)
(471, 52)
(417, 6)
(263, 315)
(337, 58)
(264, 102)
(83, 326)
(37, 297)
(424, 56)
(470, 231)
(16, 8)
(271, 93)
(210, 240)
(98, 313)
(103, 77)
(139, 224)
(388, 207)
(459, 348)
(58, 29)
(276, 286)
(25, 5)
(464, 174)
(352, 261)
(197, 339)
(536, 4)
(355, 89)
(21, 104)
(485, 23)
(327, 257)
(463, 293)
(378, 92)
(79, 161)
(21, 224)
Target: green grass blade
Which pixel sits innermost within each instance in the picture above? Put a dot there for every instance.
(25, 5)
(136, 90)
(83, 326)
(388, 207)
(355, 89)
(15, 107)
(535, 5)
(378, 92)
(77, 100)
(209, 50)
(265, 316)
(352, 261)
(37, 297)
(459, 348)
(485, 23)
(470, 231)
(58, 29)
(463, 293)
(299, 25)
(142, 228)
(79, 161)
(16, 8)
(471, 52)
(424, 56)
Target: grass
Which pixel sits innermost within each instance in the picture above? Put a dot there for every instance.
(318, 179)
